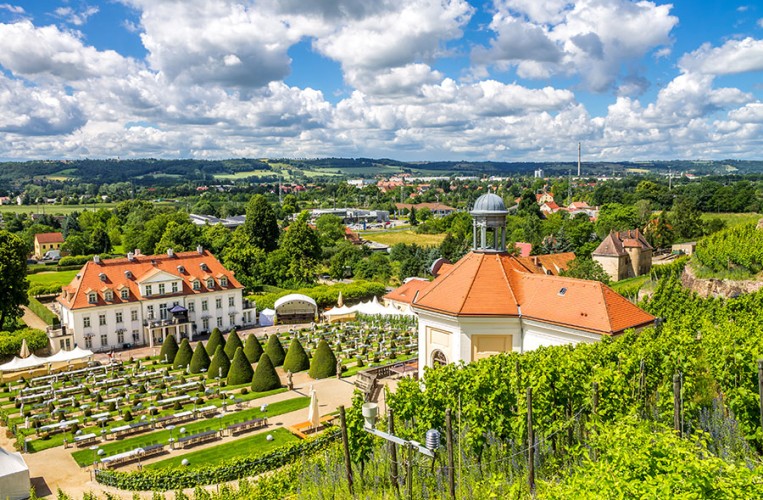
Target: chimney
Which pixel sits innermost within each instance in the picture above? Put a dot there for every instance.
(170, 252)
(200, 249)
(535, 260)
(137, 252)
(131, 256)
(97, 259)
(153, 262)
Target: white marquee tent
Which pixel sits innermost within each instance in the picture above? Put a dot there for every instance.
(266, 317)
(17, 364)
(14, 476)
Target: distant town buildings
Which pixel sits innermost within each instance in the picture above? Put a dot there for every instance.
(45, 242)
(437, 209)
(231, 222)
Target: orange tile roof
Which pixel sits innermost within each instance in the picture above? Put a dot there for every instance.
(548, 263)
(74, 295)
(490, 284)
(49, 238)
(407, 291)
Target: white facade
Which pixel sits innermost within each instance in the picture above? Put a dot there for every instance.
(451, 339)
(149, 320)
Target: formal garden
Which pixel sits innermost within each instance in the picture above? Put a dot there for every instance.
(157, 407)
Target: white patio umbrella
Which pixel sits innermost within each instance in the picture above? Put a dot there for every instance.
(24, 352)
(313, 416)
(340, 300)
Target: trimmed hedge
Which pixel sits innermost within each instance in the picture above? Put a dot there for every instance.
(200, 359)
(265, 376)
(274, 350)
(175, 478)
(326, 295)
(10, 342)
(183, 356)
(232, 343)
(44, 290)
(240, 369)
(296, 358)
(220, 364)
(215, 339)
(43, 312)
(324, 362)
(80, 260)
(253, 348)
(169, 349)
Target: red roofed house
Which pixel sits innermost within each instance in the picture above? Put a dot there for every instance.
(624, 254)
(490, 302)
(141, 299)
(549, 207)
(45, 242)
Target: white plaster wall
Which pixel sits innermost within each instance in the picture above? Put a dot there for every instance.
(539, 334)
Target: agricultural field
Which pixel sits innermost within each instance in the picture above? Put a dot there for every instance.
(52, 278)
(53, 209)
(244, 175)
(407, 236)
(732, 219)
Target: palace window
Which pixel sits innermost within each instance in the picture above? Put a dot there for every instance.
(119, 317)
(134, 315)
(120, 337)
(196, 285)
(86, 321)
(162, 289)
(223, 281)
(191, 307)
(210, 283)
(163, 311)
(92, 298)
(219, 322)
(205, 323)
(125, 294)
(150, 312)
(149, 290)
(102, 319)
(204, 305)
(104, 340)
(88, 342)
(174, 287)
(231, 301)
(219, 302)
(109, 296)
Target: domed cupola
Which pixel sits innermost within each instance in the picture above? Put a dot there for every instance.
(489, 215)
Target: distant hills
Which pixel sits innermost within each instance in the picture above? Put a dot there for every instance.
(170, 172)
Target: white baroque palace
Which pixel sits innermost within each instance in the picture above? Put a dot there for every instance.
(139, 300)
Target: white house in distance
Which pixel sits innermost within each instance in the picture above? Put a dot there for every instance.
(141, 299)
(488, 302)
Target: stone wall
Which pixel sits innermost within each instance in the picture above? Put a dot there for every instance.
(716, 287)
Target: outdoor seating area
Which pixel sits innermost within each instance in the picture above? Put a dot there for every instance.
(195, 439)
(249, 425)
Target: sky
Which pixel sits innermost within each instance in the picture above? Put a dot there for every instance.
(502, 80)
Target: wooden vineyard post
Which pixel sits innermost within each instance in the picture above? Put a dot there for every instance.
(595, 412)
(449, 441)
(677, 404)
(346, 446)
(760, 389)
(392, 448)
(530, 443)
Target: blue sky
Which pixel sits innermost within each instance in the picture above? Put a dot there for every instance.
(408, 79)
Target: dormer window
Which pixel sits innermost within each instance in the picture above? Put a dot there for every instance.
(181, 269)
(223, 281)
(125, 294)
(109, 296)
(149, 290)
(204, 267)
(92, 298)
(196, 285)
(562, 291)
(210, 283)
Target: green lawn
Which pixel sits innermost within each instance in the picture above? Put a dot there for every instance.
(52, 209)
(85, 457)
(248, 173)
(255, 445)
(406, 236)
(733, 219)
(52, 278)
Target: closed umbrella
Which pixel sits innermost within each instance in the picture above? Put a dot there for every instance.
(24, 352)
(313, 416)
(340, 300)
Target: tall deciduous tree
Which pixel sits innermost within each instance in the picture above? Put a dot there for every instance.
(302, 244)
(13, 282)
(261, 226)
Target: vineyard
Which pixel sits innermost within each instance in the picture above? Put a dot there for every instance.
(735, 252)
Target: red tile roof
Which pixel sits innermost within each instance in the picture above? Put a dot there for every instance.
(407, 291)
(549, 263)
(615, 242)
(49, 238)
(74, 295)
(489, 284)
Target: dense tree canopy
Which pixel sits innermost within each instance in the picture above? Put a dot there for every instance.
(13, 282)
(261, 226)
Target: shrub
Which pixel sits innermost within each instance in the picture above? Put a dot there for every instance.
(200, 359)
(127, 416)
(177, 406)
(324, 362)
(240, 370)
(244, 391)
(10, 342)
(274, 350)
(169, 349)
(265, 377)
(253, 348)
(43, 312)
(215, 339)
(184, 355)
(233, 343)
(296, 359)
(112, 406)
(220, 364)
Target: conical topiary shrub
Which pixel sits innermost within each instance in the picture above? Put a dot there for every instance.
(232, 343)
(323, 363)
(215, 339)
(253, 348)
(274, 350)
(200, 360)
(296, 358)
(265, 377)
(183, 356)
(240, 369)
(220, 364)
(169, 349)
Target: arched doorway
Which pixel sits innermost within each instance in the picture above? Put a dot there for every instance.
(438, 358)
